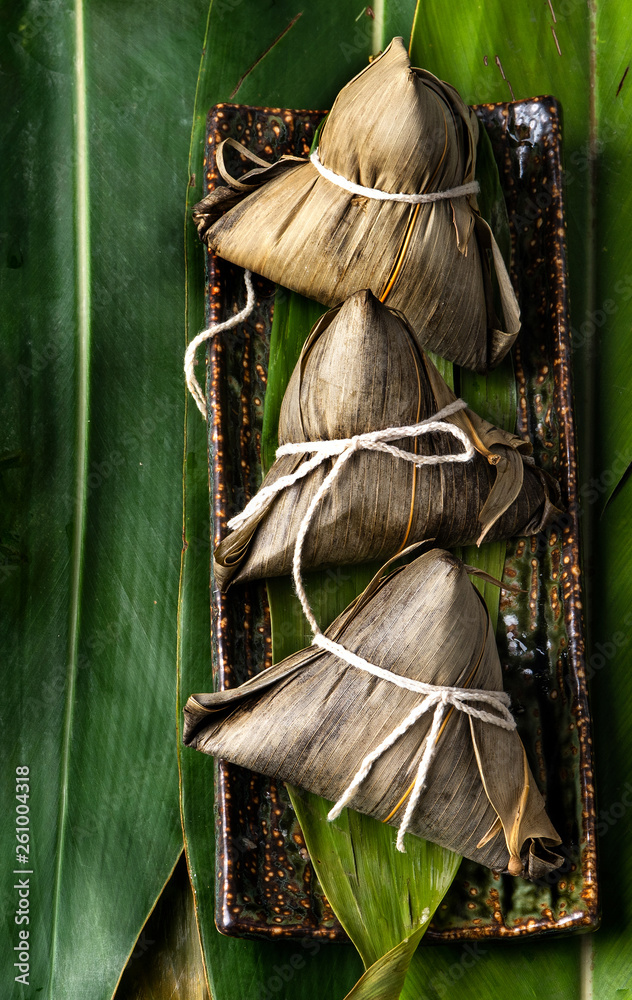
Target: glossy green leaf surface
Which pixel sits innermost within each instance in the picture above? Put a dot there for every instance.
(512, 51)
(96, 119)
(608, 324)
(452, 955)
(609, 653)
(580, 54)
(383, 899)
(609, 657)
(80, 572)
(280, 60)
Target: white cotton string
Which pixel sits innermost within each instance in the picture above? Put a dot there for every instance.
(189, 358)
(435, 696)
(371, 441)
(472, 187)
(498, 700)
(438, 697)
(422, 773)
(370, 758)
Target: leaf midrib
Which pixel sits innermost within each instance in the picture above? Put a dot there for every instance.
(82, 355)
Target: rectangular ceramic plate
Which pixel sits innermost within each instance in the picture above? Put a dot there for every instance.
(265, 881)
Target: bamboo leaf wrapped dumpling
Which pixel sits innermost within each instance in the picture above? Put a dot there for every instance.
(361, 370)
(316, 721)
(402, 131)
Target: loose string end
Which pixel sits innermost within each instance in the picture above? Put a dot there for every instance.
(193, 385)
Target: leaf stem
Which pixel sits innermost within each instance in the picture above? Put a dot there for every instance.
(83, 310)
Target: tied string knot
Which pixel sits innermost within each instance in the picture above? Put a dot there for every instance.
(437, 698)
(425, 198)
(342, 449)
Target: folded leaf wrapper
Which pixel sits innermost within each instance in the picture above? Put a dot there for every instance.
(361, 370)
(399, 130)
(311, 719)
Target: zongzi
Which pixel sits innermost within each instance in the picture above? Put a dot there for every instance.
(361, 371)
(405, 720)
(329, 226)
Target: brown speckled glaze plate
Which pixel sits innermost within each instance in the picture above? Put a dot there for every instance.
(265, 882)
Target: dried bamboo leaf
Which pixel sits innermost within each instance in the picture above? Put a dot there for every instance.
(311, 719)
(400, 130)
(361, 370)
(379, 895)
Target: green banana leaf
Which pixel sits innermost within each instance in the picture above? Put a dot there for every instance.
(609, 652)
(276, 49)
(488, 53)
(96, 118)
(580, 54)
(381, 902)
(383, 899)
(78, 572)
